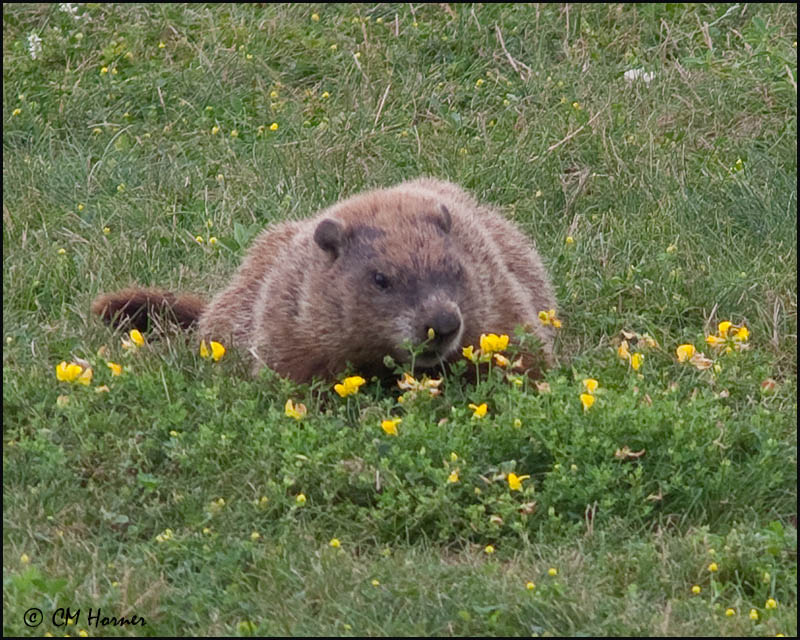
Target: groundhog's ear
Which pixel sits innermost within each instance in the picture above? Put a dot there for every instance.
(445, 220)
(329, 235)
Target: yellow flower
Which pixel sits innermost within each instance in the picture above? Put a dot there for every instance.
(68, 372)
(742, 334)
(297, 411)
(479, 82)
(390, 426)
(552, 572)
(685, 352)
(623, 352)
(24, 559)
(530, 586)
(375, 583)
(214, 130)
(255, 536)
(116, 369)
(713, 567)
(349, 386)
(335, 543)
(549, 318)
(492, 342)
(636, 361)
(570, 240)
(715, 341)
(212, 241)
(315, 17)
(86, 377)
(164, 536)
(235, 133)
(478, 410)
(104, 70)
(771, 604)
(273, 126)
(591, 384)
(161, 45)
(217, 350)
(723, 328)
(489, 549)
(696, 589)
(753, 614)
(469, 353)
(300, 499)
(501, 360)
(16, 112)
(106, 230)
(325, 95)
(730, 612)
(453, 477)
(515, 481)
(587, 401)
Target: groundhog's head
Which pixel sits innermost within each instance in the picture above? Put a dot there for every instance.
(399, 276)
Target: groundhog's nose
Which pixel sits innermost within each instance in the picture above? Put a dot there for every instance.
(445, 324)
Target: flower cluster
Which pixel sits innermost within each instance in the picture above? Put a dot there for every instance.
(297, 411)
(73, 372)
(687, 353)
(729, 338)
(412, 386)
(491, 347)
(349, 386)
(635, 359)
(587, 398)
(549, 318)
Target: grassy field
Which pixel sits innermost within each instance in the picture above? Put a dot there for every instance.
(149, 144)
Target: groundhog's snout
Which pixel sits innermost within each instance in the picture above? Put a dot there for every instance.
(439, 329)
(446, 325)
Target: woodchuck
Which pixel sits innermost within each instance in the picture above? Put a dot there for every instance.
(364, 277)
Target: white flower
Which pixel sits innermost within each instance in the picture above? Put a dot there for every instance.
(68, 7)
(34, 45)
(638, 74)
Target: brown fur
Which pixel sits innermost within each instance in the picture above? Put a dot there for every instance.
(309, 296)
(138, 307)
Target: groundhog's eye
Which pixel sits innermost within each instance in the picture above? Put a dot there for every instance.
(380, 280)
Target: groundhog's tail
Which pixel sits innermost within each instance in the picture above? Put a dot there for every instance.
(143, 309)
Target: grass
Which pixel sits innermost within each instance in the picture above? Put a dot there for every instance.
(173, 496)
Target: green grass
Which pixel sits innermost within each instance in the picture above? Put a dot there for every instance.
(173, 496)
